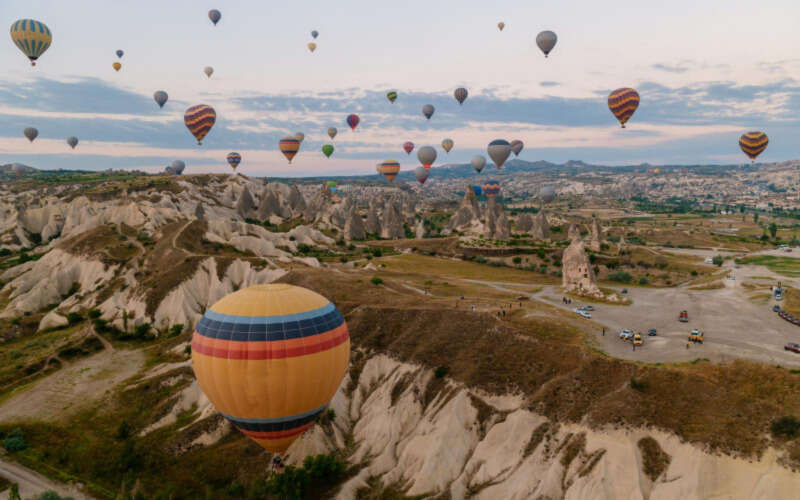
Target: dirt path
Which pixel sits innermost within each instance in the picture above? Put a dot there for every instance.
(73, 387)
(32, 483)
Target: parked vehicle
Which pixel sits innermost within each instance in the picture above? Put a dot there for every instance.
(778, 295)
(625, 334)
(776, 308)
(637, 339)
(696, 336)
(651, 332)
(792, 347)
(588, 307)
(683, 317)
(624, 290)
(585, 314)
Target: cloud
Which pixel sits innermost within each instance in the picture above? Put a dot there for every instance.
(549, 84)
(679, 68)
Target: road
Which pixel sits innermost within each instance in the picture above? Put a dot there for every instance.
(32, 483)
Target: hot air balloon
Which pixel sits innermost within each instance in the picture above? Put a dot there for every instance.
(477, 190)
(330, 184)
(623, 103)
(270, 358)
(753, 143)
(491, 188)
(32, 38)
(389, 169)
(31, 133)
(332, 132)
(214, 15)
(312, 46)
(478, 162)
(426, 155)
(546, 40)
(353, 120)
(421, 173)
(392, 96)
(408, 147)
(199, 120)
(327, 150)
(314, 34)
(501, 25)
(208, 70)
(18, 168)
(447, 145)
(460, 94)
(499, 150)
(516, 146)
(160, 97)
(547, 194)
(289, 146)
(234, 159)
(117, 66)
(178, 166)
(428, 110)
(300, 136)
(378, 168)
(120, 54)
(72, 141)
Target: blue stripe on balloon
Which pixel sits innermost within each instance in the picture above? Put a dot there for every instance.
(275, 424)
(241, 329)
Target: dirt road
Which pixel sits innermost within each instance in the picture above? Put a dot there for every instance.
(32, 483)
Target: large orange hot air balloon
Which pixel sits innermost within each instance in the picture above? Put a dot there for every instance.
(289, 146)
(199, 120)
(389, 169)
(270, 358)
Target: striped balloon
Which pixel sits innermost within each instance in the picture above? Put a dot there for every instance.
(234, 159)
(622, 103)
(199, 120)
(491, 188)
(753, 144)
(392, 96)
(389, 169)
(460, 94)
(32, 37)
(270, 358)
(289, 146)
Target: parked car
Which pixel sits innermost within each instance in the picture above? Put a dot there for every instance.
(625, 334)
(778, 295)
(683, 317)
(585, 314)
(624, 290)
(588, 307)
(792, 347)
(651, 332)
(776, 308)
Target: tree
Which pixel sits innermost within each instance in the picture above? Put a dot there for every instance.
(14, 493)
(773, 229)
(717, 260)
(755, 217)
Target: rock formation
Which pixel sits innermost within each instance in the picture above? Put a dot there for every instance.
(354, 226)
(199, 212)
(524, 223)
(373, 225)
(245, 204)
(577, 273)
(595, 235)
(468, 215)
(269, 206)
(392, 224)
(496, 225)
(541, 228)
(573, 233)
(419, 230)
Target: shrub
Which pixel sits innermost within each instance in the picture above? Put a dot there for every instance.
(717, 260)
(638, 385)
(74, 318)
(441, 371)
(4, 252)
(94, 313)
(376, 280)
(123, 431)
(643, 280)
(621, 276)
(303, 248)
(316, 472)
(175, 330)
(694, 272)
(787, 427)
(142, 330)
(15, 441)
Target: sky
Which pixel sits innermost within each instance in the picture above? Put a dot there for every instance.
(706, 72)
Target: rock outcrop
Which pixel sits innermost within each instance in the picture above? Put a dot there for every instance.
(373, 225)
(392, 224)
(354, 226)
(576, 271)
(496, 225)
(245, 204)
(467, 217)
(595, 235)
(524, 223)
(541, 228)
(573, 233)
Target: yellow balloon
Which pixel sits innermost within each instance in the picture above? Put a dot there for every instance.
(312, 46)
(31, 37)
(117, 66)
(270, 358)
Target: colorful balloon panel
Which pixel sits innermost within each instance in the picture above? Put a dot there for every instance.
(352, 121)
(327, 150)
(31, 37)
(392, 96)
(623, 103)
(753, 143)
(289, 146)
(199, 119)
(214, 15)
(408, 147)
(270, 358)
(491, 189)
(389, 169)
(234, 159)
(460, 94)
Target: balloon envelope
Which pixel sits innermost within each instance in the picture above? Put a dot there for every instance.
(623, 103)
(352, 121)
(516, 146)
(447, 145)
(289, 146)
(234, 159)
(501, 25)
(214, 15)
(178, 166)
(499, 150)
(312, 46)
(389, 169)
(208, 70)
(31, 133)
(547, 194)
(327, 150)
(478, 162)
(300, 136)
(753, 143)
(31, 37)
(546, 40)
(428, 110)
(426, 155)
(392, 96)
(332, 132)
(408, 147)
(199, 119)
(117, 66)
(270, 358)
(421, 173)
(120, 54)
(491, 188)
(72, 141)
(314, 34)
(460, 94)
(160, 97)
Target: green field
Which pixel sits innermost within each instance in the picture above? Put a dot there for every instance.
(786, 266)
